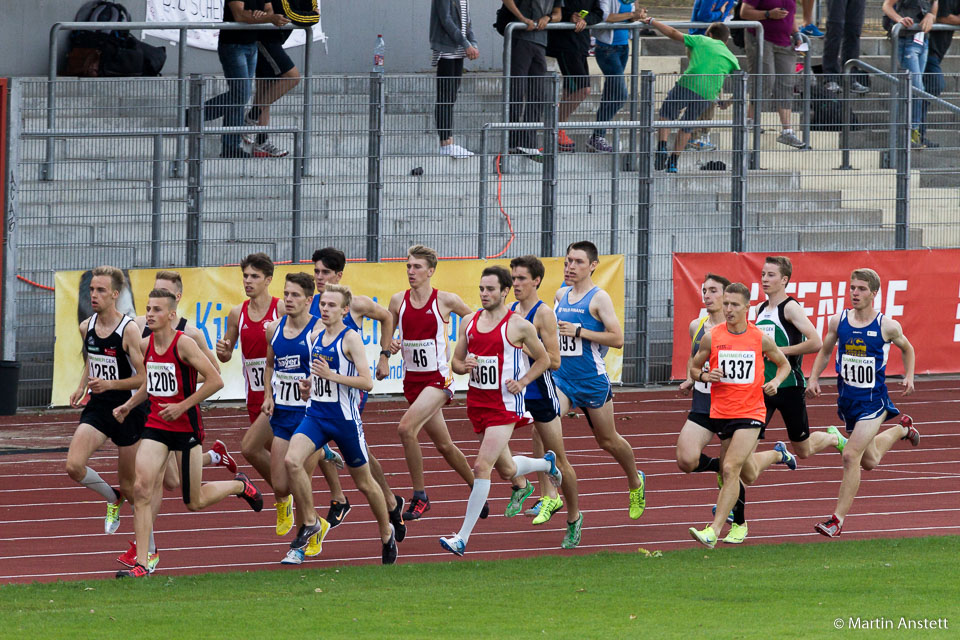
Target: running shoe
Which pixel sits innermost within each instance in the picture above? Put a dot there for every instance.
(129, 557)
(138, 571)
(396, 519)
(912, 434)
(485, 511)
(661, 159)
(572, 538)
(831, 528)
(790, 139)
(251, 137)
(226, 460)
(701, 144)
(284, 515)
(294, 556)
(729, 515)
(534, 154)
(534, 511)
(786, 457)
(554, 473)
(269, 150)
(306, 532)
(565, 143)
(332, 456)
(599, 144)
(841, 441)
(707, 537)
(454, 545)
(112, 521)
(812, 31)
(856, 87)
(338, 511)
(672, 163)
(517, 498)
(153, 559)
(417, 508)
(250, 493)
(389, 553)
(550, 506)
(455, 151)
(737, 534)
(315, 544)
(638, 500)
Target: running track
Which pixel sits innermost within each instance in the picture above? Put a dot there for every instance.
(51, 528)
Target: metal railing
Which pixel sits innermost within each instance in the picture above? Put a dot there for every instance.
(182, 27)
(895, 32)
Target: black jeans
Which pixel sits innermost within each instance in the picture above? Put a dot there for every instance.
(528, 68)
(449, 73)
(842, 41)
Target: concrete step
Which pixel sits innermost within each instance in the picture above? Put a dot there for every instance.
(826, 217)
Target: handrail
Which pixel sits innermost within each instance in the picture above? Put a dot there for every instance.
(895, 39)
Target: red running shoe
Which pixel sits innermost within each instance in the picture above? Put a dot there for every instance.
(129, 557)
(912, 434)
(250, 493)
(831, 528)
(417, 508)
(226, 460)
(138, 571)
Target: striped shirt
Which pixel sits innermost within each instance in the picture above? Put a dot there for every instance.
(459, 54)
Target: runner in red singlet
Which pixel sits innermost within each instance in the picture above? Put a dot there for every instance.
(422, 314)
(247, 323)
(735, 351)
(172, 362)
(491, 349)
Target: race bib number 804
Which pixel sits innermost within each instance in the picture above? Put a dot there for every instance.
(737, 367)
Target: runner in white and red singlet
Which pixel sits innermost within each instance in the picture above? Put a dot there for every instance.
(172, 362)
(422, 314)
(490, 348)
(247, 324)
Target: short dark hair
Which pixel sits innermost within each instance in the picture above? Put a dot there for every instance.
(304, 280)
(783, 264)
(332, 259)
(532, 264)
(718, 31)
(738, 287)
(506, 280)
(163, 293)
(716, 278)
(586, 246)
(259, 261)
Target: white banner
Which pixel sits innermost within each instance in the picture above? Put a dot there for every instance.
(206, 11)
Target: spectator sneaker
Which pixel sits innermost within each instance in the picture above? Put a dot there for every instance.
(599, 144)
(672, 163)
(661, 159)
(929, 144)
(701, 144)
(338, 511)
(455, 151)
(916, 140)
(831, 528)
(811, 30)
(269, 150)
(226, 460)
(565, 143)
(912, 434)
(856, 87)
(832, 87)
(789, 138)
(534, 154)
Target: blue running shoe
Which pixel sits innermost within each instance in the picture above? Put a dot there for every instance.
(812, 31)
(454, 545)
(555, 476)
(729, 515)
(534, 511)
(786, 457)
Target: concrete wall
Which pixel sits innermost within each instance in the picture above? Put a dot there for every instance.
(351, 29)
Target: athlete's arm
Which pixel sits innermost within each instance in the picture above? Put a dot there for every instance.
(81, 389)
(306, 382)
(367, 308)
(703, 355)
(131, 345)
(190, 353)
(461, 362)
(395, 301)
(201, 340)
(773, 353)
(522, 332)
(452, 303)
(601, 307)
(687, 384)
(267, 406)
(226, 344)
(892, 331)
(353, 349)
(794, 313)
(120, 413)
(545, 321)
(823, 356)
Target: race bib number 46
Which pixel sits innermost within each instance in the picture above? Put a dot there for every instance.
(486, 375)
(286, 389)
(858, 371)
(162, 379)
(103, 367)
(255, 368)
(737, 367)
(571, 345)
(420, 355)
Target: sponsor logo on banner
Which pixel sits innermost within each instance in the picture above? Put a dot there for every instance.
(912, 288)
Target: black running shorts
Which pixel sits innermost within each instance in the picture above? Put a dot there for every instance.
(99, 415)
(725, 428)
(792, 405)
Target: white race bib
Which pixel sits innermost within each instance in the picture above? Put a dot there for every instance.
(103, 367)
(486, 375)
(286, 389)
(702, 387)
(323, 390)
(162, 379)
(420, 355)
(571, 345)
(737, 367)
(769, 329)
(858, 371)
(255, 368)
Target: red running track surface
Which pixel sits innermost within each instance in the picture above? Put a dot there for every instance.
(51, 528)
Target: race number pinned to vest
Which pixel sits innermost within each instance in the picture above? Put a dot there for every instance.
(858, 371)
(286, 389)
(737, 367)
(323, 390)
(571, 345)
(486, 375)
(420, 355)
(255, 368)
(162, 379)
(103, 367)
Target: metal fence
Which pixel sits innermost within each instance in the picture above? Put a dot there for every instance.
(374, 182)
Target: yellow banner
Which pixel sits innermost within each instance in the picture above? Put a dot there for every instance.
(210, 293)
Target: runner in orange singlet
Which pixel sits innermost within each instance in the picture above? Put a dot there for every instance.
(735, 350)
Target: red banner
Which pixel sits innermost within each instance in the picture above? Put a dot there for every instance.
(919, 289)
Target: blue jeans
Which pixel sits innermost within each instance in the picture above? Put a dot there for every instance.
(612, 60)
(932, 83)
(239, 63)
(913, 58)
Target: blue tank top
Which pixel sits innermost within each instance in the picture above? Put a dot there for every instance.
(580, 358)
(329, 400)
(542, 387)
(347, 318)
(291, 363)
(701, 390)
(861, 359)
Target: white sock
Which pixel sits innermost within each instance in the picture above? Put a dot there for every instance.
(214, 457)
(153, 543)
(788, 131)
(478, 497)
(527, 465)
(94, 482)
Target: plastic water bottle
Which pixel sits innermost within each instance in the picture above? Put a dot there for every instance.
(378, 53)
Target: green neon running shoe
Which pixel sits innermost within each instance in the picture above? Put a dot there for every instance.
(516, 500)
(841, 441)
(638, 501)
(548, 507)
(572, 537)
(737, 534)
(707, 537)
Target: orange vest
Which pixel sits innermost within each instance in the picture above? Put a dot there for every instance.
(739, 394)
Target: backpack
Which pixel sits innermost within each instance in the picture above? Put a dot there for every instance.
(505, 16)
(106, 53)
(826, 111)
(102, 11)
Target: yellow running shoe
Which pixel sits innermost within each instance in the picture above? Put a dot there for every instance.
(707, 537)
(153, 560)
(284, 515)
(112, 521)
(638, 500)
(547, 509)
(315, 546)
(737, 534)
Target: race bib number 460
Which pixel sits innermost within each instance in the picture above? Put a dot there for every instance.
(162, 379)
(103, 367)
(286, 389)
(486, 375)
(737, 367)
(858, 371)
(420, 355)
(255, 368)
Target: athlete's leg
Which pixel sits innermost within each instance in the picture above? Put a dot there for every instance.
(817, 442)
(87, 439)
(551, 437)
(300, 448)
(278, 470)
(150, 460)
(171, 473)
(127, 468)
(757, 463)
(853, 453)
(427, 404)
(492, 443)
(736, 450)
(255, 445)
(881, 444)
(376, 471)
(369, 488)
(692, 441)
(436, 428)
(605, 433)
(203, 495)
(547, 489)
(332, 477)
